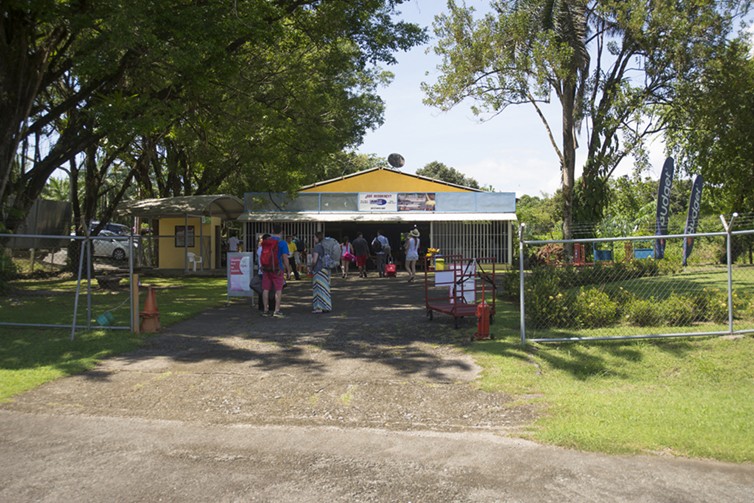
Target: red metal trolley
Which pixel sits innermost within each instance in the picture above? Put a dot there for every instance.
(458, 286)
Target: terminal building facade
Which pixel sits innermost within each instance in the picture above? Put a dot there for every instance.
(455, 219)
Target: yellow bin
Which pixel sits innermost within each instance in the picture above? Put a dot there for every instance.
(439, 264)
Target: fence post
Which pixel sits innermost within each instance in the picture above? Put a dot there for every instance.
(728, 226)
(521, 281)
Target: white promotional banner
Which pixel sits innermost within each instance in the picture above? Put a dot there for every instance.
(370, 201)
(240, 269)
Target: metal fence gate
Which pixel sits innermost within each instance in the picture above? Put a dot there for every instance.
(614, 288)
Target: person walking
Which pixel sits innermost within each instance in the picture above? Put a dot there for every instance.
(260, 273)
(412, 253)
(300, 255)
(273, 278)
(321, 298)
(292, 257)
(233, 243)
(346, 255)
(381, 249)
(361, 250)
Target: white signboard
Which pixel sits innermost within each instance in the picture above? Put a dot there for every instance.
(240, 269)
(372, 201)
(460, 280)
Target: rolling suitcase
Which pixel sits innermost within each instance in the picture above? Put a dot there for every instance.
(390, 269)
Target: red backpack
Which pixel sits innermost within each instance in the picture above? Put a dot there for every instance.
(268, 260)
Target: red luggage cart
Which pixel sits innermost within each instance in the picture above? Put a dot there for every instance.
(459, 286)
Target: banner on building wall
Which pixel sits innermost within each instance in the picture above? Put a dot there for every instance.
(663, 205)
(240, 269)
(416, 201)
(370, 201)
(692, 219)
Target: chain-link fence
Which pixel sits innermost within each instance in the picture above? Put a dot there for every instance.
(617, 288)
(79, 282)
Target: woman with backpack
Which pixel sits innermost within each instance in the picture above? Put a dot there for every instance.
(321, 299)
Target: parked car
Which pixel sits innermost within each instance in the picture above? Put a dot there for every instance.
(112, 248)
(120, 229)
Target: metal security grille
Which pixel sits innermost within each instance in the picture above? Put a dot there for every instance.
(473, 239)
(304, 230)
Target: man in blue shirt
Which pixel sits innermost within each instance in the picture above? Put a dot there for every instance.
(275, 280)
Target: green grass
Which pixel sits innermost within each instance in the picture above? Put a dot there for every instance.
(30, 357)
(688, 397)
(693, 279)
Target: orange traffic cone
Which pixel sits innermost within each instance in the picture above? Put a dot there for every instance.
(150, 304)
(150, 316)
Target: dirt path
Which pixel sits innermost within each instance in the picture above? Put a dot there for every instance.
(369, 403)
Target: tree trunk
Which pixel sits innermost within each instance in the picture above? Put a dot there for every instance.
(568, 166)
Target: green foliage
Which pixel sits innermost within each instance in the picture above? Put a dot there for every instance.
(440, 171)
(212, 96)
(546, 302)
(643, 312)
(711, 304)
(711, 128)
(612, 294)
(528, 52)
(542, 216)
(677, 310)
(593, 308)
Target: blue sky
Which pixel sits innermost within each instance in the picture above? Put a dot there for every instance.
(511, 151)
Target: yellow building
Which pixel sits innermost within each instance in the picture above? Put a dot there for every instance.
(456, 219)
(186, 232)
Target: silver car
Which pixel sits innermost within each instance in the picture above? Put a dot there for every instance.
(105, 246)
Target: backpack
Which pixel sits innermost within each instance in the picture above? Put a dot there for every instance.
(299, 245)
(268, 260)
(377, 245)
(331, 260)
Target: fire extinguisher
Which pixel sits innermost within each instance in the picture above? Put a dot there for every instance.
(483, 314)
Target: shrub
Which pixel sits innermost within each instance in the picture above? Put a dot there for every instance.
(546, 305)
(677, 310)
(644, 313)
(593, 308)
(710, 305)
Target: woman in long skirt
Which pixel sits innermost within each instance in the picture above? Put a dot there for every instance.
(321, 299)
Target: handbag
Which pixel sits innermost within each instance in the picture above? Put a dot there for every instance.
(256, 283)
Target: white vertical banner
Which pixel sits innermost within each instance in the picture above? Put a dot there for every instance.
(240, 269)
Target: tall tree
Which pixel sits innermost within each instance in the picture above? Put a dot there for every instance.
(445, 173)
(713, 126)
(610, 65)
(214, 89)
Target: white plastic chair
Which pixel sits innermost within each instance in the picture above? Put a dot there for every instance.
(194, 259)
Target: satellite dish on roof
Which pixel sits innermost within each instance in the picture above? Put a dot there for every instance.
(396, 160)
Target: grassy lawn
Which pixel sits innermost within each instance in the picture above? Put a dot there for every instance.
(686, 397)
(30, 357)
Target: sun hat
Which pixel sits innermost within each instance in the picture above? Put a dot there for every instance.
(414, 233)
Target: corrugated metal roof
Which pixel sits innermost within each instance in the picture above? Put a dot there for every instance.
(230, 207)
(399, 217)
